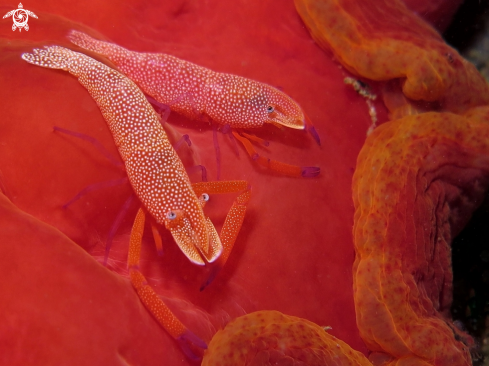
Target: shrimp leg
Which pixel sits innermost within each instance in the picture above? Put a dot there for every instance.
(150, 299)
(274, 165)
(236, 214)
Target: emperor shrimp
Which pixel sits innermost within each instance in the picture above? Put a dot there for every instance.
(200, 93)
(157, 176)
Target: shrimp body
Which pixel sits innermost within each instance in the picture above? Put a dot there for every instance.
(155, 171)
(198, 92)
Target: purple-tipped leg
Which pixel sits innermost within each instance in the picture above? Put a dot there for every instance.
(100, 185)
(95, 186)
(312, 131)
(227, 131)
(188, 341)
(200, 168)
(179, 143)
(213, 273)
(94, 142)
(310, 171)
(218, 151)
(115, 226)
(162, 109)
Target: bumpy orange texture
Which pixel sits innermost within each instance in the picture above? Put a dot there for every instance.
(418, 178)
(417, 182)
(384, 40)
(272, 338)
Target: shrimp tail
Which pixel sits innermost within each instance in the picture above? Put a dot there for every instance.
(91, 44)
(53, 57)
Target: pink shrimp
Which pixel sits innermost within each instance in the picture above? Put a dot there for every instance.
(156, 174)
(200, 93)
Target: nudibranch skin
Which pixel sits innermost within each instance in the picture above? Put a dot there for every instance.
(155, 171)
(271, 338)
(417, 180)
(388, 41)
(418, 177)
(198, 92)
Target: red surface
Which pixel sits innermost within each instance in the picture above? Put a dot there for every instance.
(295, 251)
(61, 307)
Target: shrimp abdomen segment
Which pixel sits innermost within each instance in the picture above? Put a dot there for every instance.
(177, 83)
(203, 94)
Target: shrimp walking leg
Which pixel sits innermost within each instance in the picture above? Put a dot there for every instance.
(96, 143)
(96, 186)
(150, 299)
(206, 95)
(234, 218)
(277, 166)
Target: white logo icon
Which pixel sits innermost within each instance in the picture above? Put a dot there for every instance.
(20, 17)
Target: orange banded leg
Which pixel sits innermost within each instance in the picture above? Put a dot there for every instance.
(186, 339)
(255, 139)
(157, 237)
(234, 218)
(277, 166)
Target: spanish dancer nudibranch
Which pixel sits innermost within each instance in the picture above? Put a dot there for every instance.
(109, 320)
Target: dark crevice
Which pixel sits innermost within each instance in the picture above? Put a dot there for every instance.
(470, 260)
(469, 34)
(467, 24)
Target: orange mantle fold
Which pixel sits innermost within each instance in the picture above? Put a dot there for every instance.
(272, 338)
(294, 248)
(384, 40)
(418, 177)
(418, 180)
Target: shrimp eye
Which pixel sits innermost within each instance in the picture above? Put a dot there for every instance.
(205, 197)
(171, 215)
(270, 109)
